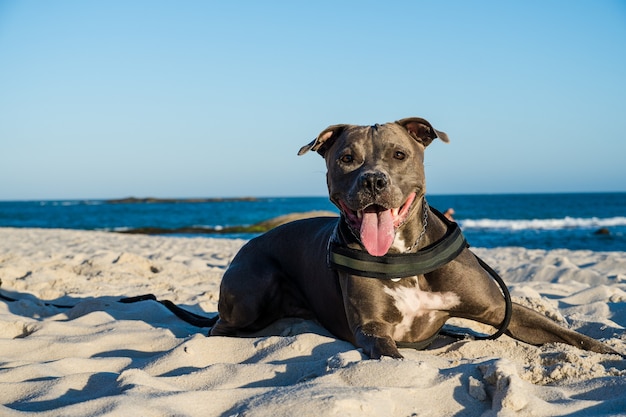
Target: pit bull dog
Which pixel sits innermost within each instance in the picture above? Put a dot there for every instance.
(389, 271)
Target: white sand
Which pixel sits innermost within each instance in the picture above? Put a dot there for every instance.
(102, 357)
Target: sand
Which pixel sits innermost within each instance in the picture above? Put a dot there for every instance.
(102, 357)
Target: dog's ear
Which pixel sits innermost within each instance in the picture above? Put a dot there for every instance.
(422, 131)
(323, 141)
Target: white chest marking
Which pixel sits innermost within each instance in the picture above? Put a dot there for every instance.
(399, 244)
(413, 303)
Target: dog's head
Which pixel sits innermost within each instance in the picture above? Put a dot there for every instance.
(375, 175)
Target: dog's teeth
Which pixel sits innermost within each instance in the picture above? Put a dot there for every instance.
(359, 214)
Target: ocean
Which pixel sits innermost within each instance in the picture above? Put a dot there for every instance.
(534, 221)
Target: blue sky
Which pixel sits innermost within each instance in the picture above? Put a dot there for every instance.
(213, 99)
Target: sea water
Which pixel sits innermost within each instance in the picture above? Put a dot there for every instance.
(537, 221)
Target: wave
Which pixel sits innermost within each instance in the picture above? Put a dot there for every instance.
(542, 224)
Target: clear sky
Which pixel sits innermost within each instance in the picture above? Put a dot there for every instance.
(123, 98)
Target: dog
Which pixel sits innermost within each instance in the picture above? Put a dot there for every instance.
(357, 275)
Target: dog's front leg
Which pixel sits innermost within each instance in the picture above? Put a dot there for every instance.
(366, 313)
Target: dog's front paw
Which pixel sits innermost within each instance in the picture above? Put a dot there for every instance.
(377, 346)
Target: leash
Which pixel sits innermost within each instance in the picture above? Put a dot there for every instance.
(187, 316)
(12, 300)
(508, 312)
(508, 303)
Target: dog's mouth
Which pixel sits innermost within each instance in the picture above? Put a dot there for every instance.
(376, 224)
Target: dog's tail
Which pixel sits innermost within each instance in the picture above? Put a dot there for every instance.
(187, 316)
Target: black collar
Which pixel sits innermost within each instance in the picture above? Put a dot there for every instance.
(401, 265)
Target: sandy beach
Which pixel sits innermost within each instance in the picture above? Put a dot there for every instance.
(102, 357)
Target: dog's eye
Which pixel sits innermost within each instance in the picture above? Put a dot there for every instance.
(347, 159)
(399, 155)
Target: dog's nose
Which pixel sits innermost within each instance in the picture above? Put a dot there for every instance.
(374, 181)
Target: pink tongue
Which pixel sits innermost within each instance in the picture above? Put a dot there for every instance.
(377, 232)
